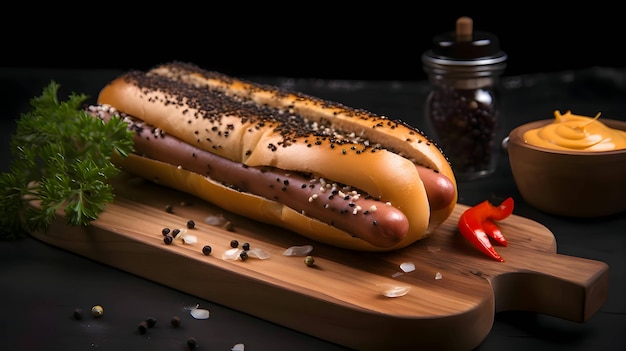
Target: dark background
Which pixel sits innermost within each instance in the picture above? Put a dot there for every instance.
(314, 41)
(307, 40)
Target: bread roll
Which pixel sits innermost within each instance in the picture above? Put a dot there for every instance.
(259, 125)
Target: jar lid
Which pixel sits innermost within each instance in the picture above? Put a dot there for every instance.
(465, 47)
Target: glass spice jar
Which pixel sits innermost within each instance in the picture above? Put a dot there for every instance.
(462, 108)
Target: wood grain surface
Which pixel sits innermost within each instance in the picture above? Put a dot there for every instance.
(340, 298)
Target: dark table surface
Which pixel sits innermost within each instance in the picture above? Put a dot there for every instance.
(42, 285)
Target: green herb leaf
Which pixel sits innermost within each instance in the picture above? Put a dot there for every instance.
(60, 159)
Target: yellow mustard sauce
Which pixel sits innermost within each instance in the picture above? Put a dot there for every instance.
(577, 133)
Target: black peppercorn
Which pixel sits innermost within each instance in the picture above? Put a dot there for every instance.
(191, 224)
(78, 314)
(206, 249)
(246, 246)
(243, 255)
(175, 232)
(234, 243)
(143, 327)
(151, 322)
(168, 239)
(192, 343)
(165, 231)
(175, 322)
(169, 208)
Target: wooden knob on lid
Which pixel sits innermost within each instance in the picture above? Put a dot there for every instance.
(464, 29)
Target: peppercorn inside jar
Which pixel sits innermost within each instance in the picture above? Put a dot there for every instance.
(465, 122)
(462, 108)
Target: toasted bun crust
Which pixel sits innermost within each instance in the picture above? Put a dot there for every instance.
(260, 125)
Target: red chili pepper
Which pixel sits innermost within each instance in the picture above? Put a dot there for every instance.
(493, 231)
(476, 224)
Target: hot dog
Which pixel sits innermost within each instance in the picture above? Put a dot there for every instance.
(338, 175)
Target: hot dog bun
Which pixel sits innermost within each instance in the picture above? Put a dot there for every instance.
(260, 125)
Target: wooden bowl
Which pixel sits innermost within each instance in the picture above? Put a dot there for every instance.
(568, 183)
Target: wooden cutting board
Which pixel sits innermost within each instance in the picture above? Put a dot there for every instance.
(453, 293)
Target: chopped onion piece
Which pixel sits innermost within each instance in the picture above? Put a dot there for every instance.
(298, 250)
(216, 220)
(237, 347)
(438, 276)
(190, 239)
(407, 267)
(258, 253)
(199, 313)
(389, 290)
(231, 254)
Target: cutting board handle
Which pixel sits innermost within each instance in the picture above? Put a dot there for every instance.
(567, 287)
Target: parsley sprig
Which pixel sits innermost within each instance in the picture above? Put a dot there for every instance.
(60, 159)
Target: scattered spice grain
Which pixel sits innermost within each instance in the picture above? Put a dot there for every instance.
(229, 226)
(97, 311)
(206, 250)
(142, 327)
(192, 343)
(168, 239)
